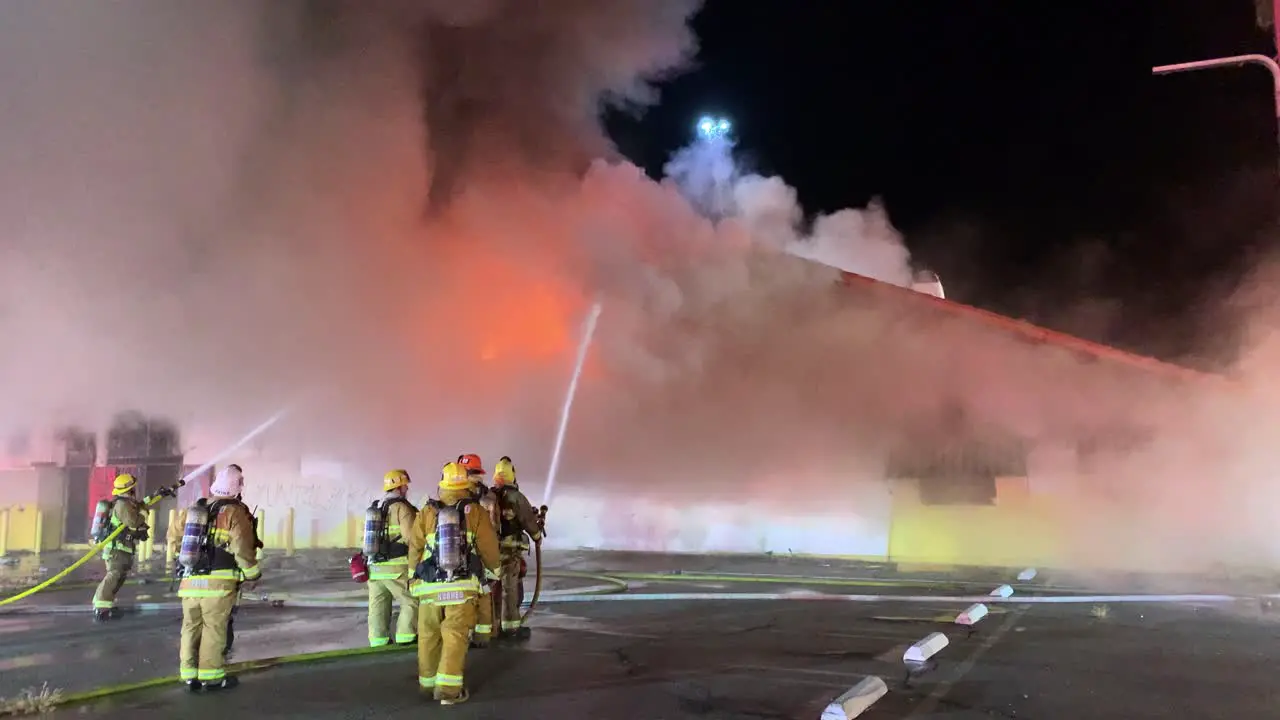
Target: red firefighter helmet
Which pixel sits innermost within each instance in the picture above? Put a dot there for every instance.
(472, 464)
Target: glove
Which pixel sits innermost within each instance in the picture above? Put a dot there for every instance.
(249, 585)
(141, 534)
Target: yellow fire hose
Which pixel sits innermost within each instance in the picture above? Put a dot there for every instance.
(326, 655)
(537, 555)
(146, 503)
(237, 668)
(92, 551)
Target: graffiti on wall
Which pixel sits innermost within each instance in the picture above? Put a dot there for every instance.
(314, 485)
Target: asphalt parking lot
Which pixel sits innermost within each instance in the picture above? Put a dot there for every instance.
(787, 659)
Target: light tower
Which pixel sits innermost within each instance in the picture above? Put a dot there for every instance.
(713, 128)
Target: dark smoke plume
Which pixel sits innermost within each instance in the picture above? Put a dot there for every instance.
(524, 82)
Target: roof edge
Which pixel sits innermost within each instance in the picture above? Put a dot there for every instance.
(1038, 334)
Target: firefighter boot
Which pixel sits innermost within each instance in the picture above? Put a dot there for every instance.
(226, 683)
(456, 700)
(102, 615)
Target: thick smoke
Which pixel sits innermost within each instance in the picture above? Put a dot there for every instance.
(857, 241)
(212, 210)
(394, 215)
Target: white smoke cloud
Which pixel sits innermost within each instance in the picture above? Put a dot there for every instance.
(400, 212)
(861, 241)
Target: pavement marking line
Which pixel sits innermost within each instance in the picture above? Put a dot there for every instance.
(948, 599)
(693, 577)
(754, 672)
(944, 618)
(691, 597)
(315, 601)
(931, 701)
(868, 636)
(783, 670)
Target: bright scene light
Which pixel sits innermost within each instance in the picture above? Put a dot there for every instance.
(713, 127)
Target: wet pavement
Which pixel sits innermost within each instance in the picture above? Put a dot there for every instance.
(796, 565)
(314, 568)
(71, 652)
(74, 654)
(787, 660)
(683, 658)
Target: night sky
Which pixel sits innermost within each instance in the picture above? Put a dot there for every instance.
(1023, 148)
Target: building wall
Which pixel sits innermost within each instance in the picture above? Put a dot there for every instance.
(32, 500)
(1043, 516)
(1018, 529)
(847, 519)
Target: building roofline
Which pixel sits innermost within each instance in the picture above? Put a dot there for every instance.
(1037, 335)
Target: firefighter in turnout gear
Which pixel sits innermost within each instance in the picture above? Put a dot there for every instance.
(518, 521)
(486, 606)
(217, 556)
(122, 509)
(388, 555)
(451, 545)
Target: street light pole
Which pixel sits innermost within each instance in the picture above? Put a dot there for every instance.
(1233, 61)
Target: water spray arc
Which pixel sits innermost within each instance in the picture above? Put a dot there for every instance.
(584, 347)
(148, 501)
(588, 333)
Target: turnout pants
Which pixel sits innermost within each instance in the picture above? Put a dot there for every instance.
(119, 563)
(442, 645)
(484, 614)
(512, 591)
(381, 595)
(204, 637)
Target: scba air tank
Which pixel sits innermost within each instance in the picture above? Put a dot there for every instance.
(98, 530)
(450, 541)
(194, 532)
(373, 527)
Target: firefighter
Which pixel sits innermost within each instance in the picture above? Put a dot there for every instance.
(122, 509)
(258, 545)
(518, 519)
(217, 556)
(389, 568)
(483, 630)
(451, 545)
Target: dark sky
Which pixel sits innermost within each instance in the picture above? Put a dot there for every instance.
(1024, 148)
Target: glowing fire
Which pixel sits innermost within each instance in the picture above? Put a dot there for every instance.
(527, 323)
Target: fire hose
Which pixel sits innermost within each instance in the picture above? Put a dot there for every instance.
(146, 502)
(169, 490)
(537, 557)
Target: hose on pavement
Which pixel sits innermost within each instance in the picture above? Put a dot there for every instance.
(65, 572)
